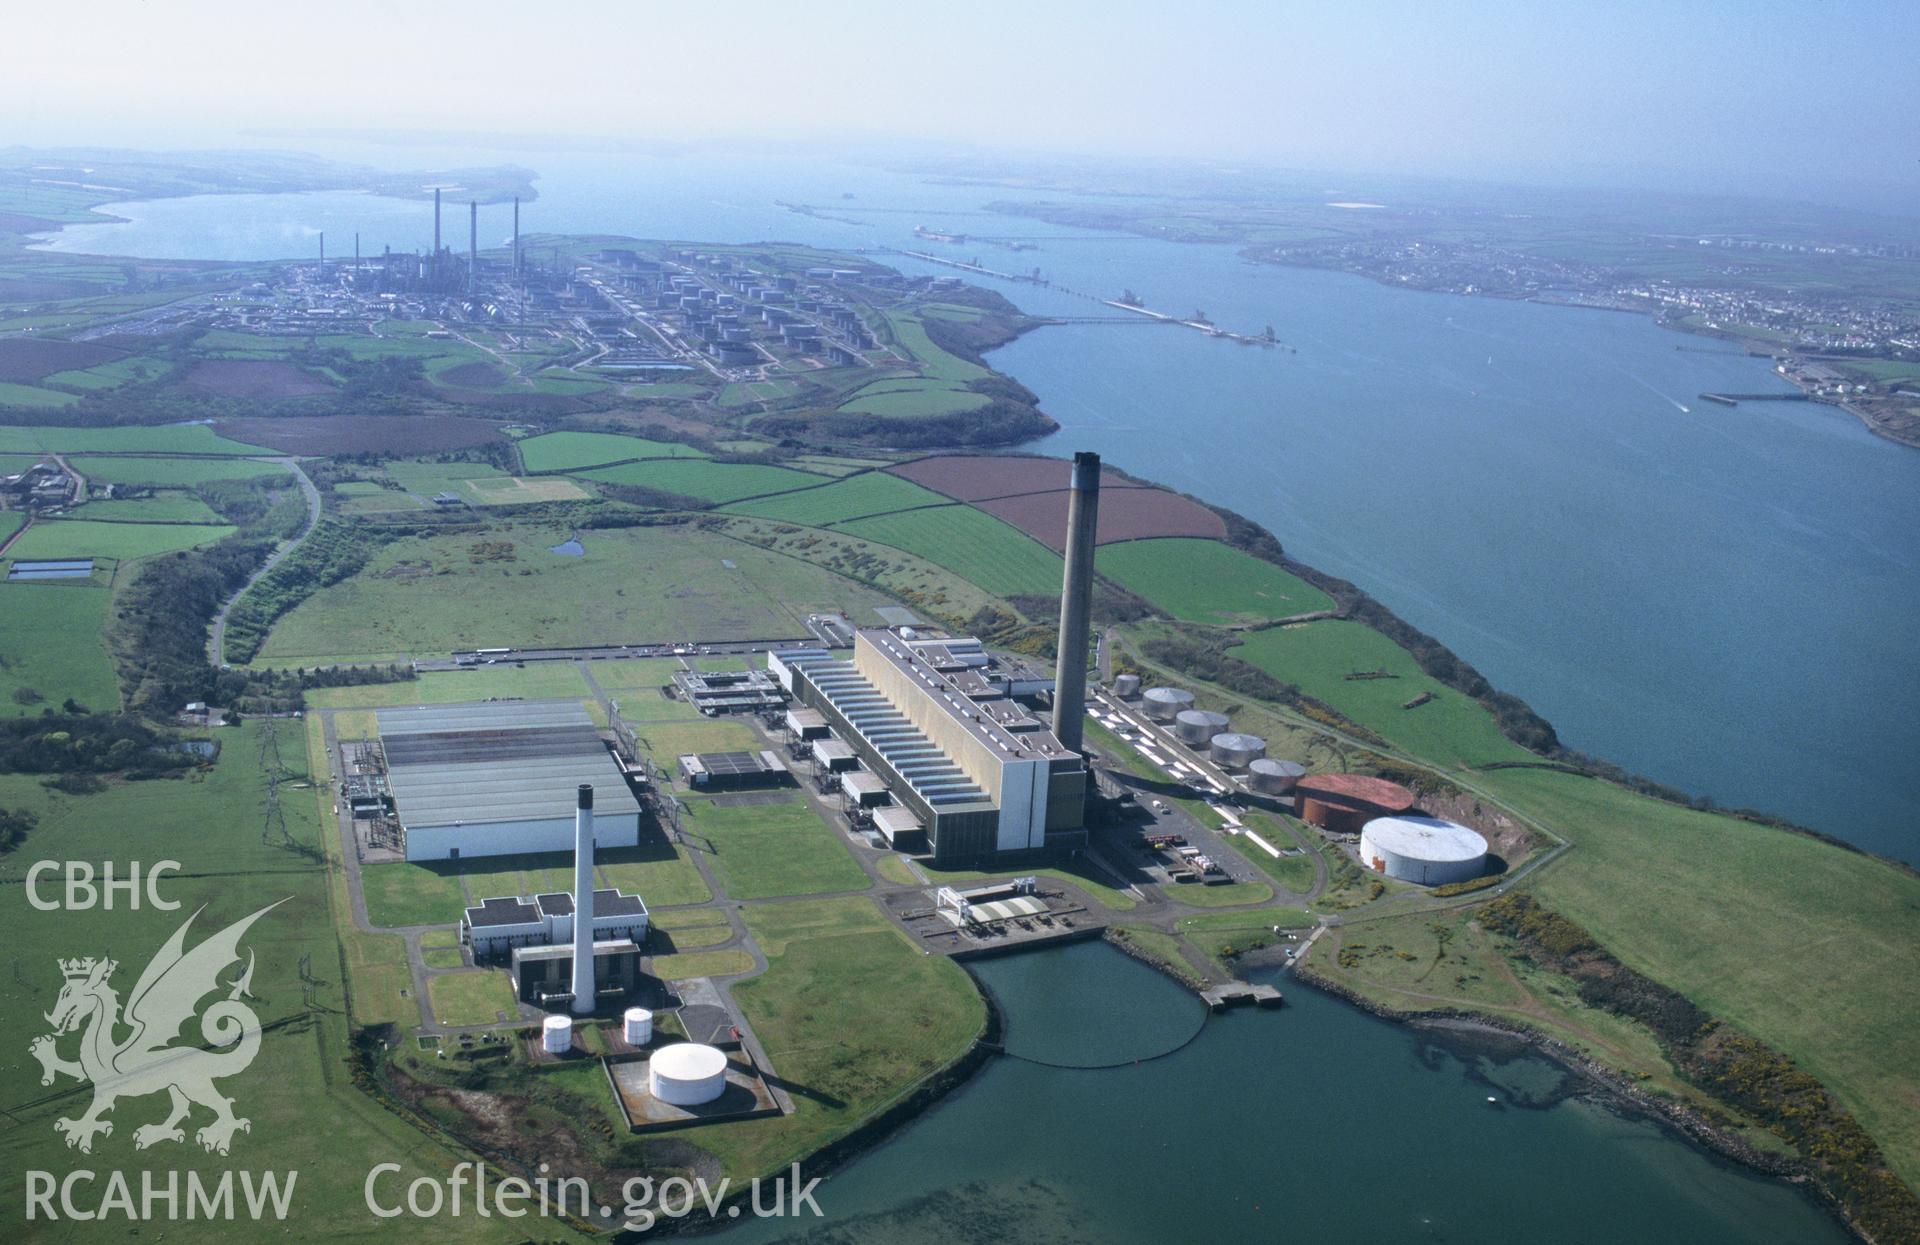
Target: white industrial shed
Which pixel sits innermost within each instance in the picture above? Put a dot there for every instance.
(501, 778)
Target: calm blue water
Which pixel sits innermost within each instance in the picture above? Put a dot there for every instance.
(1716, 598)
(1314, 1123)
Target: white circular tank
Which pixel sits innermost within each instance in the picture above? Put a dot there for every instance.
(1163, 704)
(1126, 686)
(556, 1034)
(637, 1026)
(687, 1074)
(1274, 777)
(1196, 726)
(1426, 850)
(1234, 750)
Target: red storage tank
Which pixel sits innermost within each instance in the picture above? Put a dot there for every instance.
(1345, 803)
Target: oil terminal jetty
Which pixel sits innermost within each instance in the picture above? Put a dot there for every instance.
(1146, 314)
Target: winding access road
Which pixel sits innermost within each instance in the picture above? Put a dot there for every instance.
(217, 636)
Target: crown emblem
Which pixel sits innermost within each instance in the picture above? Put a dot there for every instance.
(75, 970)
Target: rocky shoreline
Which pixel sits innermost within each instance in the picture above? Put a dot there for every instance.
(1600, 1085)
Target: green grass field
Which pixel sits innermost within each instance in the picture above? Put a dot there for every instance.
(1794, 940)
(1448, 730)
(170, 506)
(872, 492)
(305, 1112)
(709, 481)
(540, 680)
(80, 538)
(761, 850)
(50, 643)
(480, 997)
(171, 439)
(570, 451)
(170, 472)
(404, 893)
(972, 544)
(33, 397)
(935, 362)
(1207, 581)
(850, 1010)
(430, 595)
(932, 400)
(682, 965)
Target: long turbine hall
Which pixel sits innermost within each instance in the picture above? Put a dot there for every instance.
(501, 778)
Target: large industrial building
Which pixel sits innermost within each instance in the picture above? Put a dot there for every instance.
(500, 778)
(981, 777)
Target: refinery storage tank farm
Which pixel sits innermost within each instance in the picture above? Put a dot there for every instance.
(687, 1074)
(1164, 704)
(1269, 776)
(1196, 726)
(1426, 850)
(1233, 750)
(1126, 686)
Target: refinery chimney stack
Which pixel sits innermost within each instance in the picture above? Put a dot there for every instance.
(473, 244)
(1076, 601)
(583, 985)
(435, 262)
(516, 237)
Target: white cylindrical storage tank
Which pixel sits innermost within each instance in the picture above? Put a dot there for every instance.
(1273, 777)
(1426, 850)
(556, 1035)
(1234, 750)
(1126, 686)
(687, 1074)
(1165, 703)
(1196, 726)
(638, 1026)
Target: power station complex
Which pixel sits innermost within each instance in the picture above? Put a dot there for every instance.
(980, 778)
(974, 775)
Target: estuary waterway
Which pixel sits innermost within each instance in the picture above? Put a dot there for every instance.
(1717, 598)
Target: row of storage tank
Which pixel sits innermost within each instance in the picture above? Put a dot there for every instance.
(1197, 728)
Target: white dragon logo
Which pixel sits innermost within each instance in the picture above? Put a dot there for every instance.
(165, 998)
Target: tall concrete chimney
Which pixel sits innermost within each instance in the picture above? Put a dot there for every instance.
(583, 987)
(1076, 600)
(516, 236)
(323, 252)
(434, 263)
(473, 243)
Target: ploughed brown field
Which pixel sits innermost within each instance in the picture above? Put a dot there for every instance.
(27, 359)
(1031, 494)
(254, 378)
(340, 434)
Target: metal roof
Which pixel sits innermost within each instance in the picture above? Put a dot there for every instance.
(522, 760)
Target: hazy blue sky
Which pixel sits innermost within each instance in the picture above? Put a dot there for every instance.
(1753, 96)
